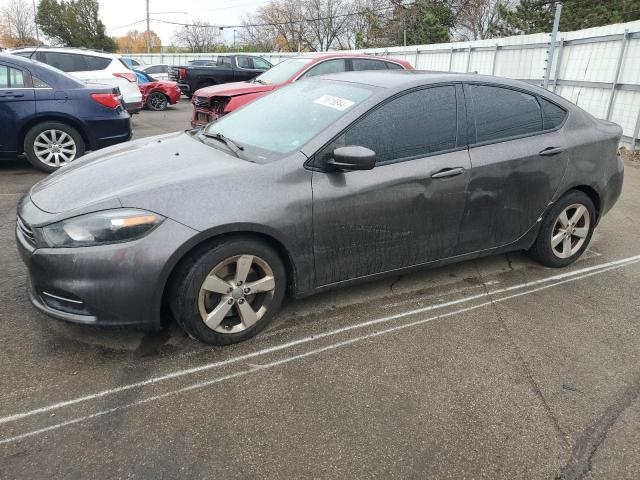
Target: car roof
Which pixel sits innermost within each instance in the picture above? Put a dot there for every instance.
(45, 72)
(82, 51)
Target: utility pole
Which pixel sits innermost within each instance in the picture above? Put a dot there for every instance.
(35, 16)
(552, 45)
(148, 30)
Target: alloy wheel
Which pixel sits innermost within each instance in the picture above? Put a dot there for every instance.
(236, 294)
(570, 230)
(157, 102)
(55, 148)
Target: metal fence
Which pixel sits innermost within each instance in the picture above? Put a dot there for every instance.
(597, 68)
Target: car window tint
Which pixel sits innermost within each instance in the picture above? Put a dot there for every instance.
(552, 115)
(418, 123)
(366, 64)
(67, 62)
(261, 64)
(4, 77)
(330, 66)
(37, 83)
(393, 66)
(16, 78)
(501, 113)
(96, 63)
(224, 61)
(24, 54)
(244, 62)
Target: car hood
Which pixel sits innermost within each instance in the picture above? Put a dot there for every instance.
(99, 180)
(233, 89)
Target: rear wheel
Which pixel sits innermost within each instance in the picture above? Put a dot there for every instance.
(566, 230)
(229, 292)
(157, 101)
(51, 145)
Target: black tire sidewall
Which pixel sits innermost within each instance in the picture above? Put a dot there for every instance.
(183, 298)
(36, 130)
(166, 102)
(542, 250)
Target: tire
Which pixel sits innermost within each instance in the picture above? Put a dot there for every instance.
(157, 101)
(572, 243)
(190, 303)
(71, 145)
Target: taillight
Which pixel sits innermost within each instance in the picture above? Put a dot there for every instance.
(131, 77)
(109, 100)
(182, 72)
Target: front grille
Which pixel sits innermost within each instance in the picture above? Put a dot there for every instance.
(173, 74)
(26, 231)
(200, 101)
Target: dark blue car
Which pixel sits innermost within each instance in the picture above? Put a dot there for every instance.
(53, 118)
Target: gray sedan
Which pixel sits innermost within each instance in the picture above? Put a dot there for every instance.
(318, 185)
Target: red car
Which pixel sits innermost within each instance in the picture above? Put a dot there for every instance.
(157, 94)
(209, 103)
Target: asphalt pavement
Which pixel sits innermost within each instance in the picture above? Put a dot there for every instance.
(497, 368)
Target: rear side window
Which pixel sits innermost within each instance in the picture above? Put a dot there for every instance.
(417, 124)
(366, 64)
(224, 61)
(394, 66)
(329, 66)
(552, 115)
(11, 77)
(244, 62)
(501, 113)
(72, 62)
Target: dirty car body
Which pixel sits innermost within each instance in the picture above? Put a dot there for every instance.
(478, 186)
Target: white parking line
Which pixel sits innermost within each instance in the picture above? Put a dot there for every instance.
(311, 338)
(591, 271)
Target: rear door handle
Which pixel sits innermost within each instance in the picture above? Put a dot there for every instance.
(548, 152)
(448, 172)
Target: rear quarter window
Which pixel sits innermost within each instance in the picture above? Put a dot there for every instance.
(552, 114)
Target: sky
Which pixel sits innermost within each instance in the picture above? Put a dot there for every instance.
(117, 15)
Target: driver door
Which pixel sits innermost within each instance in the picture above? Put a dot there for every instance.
(408, 209)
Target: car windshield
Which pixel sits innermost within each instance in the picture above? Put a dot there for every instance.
(282, 71)
(286, 119)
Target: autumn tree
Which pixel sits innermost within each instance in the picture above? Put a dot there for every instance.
(17, 26)
(136, 42)
(199, 36)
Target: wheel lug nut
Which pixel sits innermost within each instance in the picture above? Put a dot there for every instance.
(247, 290)
(230, 301)
(241, 301)
(239, 283)
(229, 290)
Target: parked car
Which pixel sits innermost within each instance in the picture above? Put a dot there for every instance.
(228, 68)
(156, 94)
(90, 66)
(322, 183)
(212, 102)
(159, 71)
(52, 117)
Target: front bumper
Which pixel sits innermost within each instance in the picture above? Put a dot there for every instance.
(202, 116)
(117, 284)
(184, 88)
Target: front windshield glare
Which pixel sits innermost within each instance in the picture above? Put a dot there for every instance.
(286, 119)
(282, 71)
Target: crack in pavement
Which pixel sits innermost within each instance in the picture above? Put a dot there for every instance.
(536, 388)
(587, 444)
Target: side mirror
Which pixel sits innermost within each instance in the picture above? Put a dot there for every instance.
(352, 157)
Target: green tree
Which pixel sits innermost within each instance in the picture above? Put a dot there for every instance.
(74, 23)
(536, 16)
(434, 22)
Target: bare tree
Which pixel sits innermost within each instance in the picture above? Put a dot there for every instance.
(18, 24)
(199, 36)
(476, 19)
(329, 22)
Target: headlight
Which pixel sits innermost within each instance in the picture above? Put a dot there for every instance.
(109, 226)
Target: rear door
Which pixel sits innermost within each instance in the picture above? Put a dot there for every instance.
(407, 210)
(17, 104)
(518, 157)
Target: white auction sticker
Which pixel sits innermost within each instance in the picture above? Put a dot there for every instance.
(334, 102)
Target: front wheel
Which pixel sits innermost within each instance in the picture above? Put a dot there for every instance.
(228, 292)
(566, 230)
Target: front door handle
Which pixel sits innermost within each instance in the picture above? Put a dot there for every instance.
(548, 152)
(448, 172)
(11, 95)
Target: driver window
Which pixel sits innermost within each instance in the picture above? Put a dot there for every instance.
(330, 66)
(414, 125)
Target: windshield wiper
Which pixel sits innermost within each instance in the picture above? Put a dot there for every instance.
(257, 80)
(231, 145)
